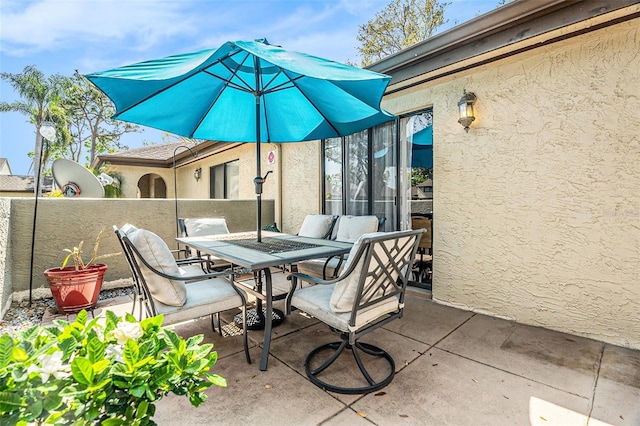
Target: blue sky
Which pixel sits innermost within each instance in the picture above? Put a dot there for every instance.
(59, 36)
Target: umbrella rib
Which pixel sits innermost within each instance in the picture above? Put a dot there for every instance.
(266, 89)
(234, 73)
(312, 103)
(227, 83)
(164, 89)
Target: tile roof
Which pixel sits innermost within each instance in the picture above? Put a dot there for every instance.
(152, 152)
(16, 183)
(160, 155)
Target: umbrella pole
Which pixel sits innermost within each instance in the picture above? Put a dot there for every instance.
(258, 179)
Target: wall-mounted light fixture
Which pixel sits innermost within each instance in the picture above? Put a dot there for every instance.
(465, 108)
(197, 173)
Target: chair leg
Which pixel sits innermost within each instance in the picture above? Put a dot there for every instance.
(215, 318)
(244, 334)
(133, 307)
(338, 349)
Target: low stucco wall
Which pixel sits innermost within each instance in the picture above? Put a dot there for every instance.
(63, 223)
(537, 209)
(5, 254)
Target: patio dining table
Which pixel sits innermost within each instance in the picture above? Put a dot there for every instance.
(276, 249)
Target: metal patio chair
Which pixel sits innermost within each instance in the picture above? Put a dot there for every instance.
(422, 269)
(347, 228)
(162, 287)
(202, 226)
(368, 294)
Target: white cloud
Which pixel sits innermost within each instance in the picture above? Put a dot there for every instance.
(55, 24)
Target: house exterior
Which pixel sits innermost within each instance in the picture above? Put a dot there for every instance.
(536, 209)
(19, 185)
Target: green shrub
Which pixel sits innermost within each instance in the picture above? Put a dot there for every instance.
(107, 371)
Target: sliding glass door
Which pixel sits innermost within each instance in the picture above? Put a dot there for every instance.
(385, 171)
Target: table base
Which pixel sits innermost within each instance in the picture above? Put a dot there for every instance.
(255, 321)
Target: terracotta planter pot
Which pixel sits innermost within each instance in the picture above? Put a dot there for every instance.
(74, 290)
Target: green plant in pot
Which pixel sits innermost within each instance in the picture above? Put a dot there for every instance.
(108, 371)
(78, 286)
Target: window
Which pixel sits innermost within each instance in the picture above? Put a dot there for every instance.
(224, 180)
(360, 174)
(362, 171)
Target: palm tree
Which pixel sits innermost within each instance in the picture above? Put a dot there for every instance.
(37, 93)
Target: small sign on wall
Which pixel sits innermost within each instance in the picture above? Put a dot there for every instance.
(271, 157)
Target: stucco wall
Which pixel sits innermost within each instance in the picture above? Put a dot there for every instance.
(301, 179)
(5, 255)
(64, 222)
(537, 208)
(16, 194)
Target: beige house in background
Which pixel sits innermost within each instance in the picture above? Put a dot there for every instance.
(536, 210)
(294, 182)
(19, 185)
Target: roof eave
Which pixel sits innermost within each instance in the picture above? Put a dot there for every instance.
(507, 25)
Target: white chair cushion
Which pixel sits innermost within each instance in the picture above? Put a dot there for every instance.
(205, 226)
(203, 298)
(345, 291)
(315, 300)
(190, 270)
(350, 228)
(200, 226)
(156, 252)
(315, 225)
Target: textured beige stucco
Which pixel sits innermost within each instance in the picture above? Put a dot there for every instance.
(537, 208)
(16, 194)
(6, 266)
(301, 181)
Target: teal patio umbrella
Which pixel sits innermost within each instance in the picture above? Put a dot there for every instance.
(247, 91)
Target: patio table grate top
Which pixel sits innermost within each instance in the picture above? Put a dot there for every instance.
(272, 245)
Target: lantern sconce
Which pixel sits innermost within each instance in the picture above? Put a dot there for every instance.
(197, 173)
(48, 130)
(465, 108)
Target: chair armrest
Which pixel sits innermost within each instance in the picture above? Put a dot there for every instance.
(190, 261)
(180, 253)
(198, 277)
(312, 279)
(336, 270)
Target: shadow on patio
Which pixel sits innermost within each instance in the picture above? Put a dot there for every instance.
(453, 368)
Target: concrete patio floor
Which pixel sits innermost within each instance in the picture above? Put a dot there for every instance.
(453, 367)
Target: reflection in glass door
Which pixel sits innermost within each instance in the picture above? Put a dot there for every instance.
(332, 165)
(417, 138)
(385, 174)
(357, 174)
